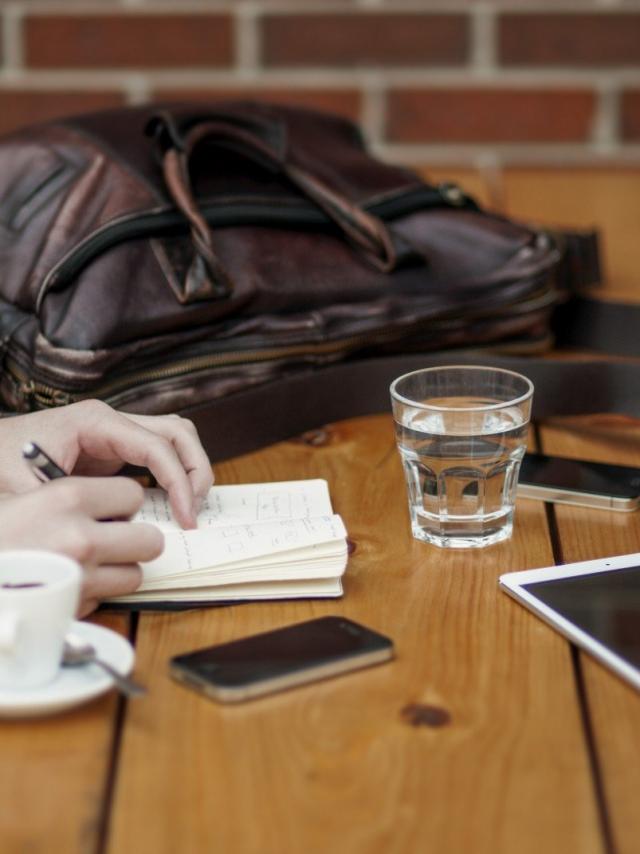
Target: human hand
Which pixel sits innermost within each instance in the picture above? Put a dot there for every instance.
(91, 438)
(65, 516)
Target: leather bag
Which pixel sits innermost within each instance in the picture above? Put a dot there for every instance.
(169, 258)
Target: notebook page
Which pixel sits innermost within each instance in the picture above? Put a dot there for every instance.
(216, 577)
(318, 555)
(322, 588)
(244, 503)
(331, 565)
(188, 551)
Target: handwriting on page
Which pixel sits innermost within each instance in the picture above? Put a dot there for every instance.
(189, 551)
(263, 505)
(246, 503)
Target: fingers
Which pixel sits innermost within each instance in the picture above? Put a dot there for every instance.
(115, 435)
(183, 435)
(64, 516)
(106, 581)
(123, 542)
(98, 497)
(76, 506)
(90, 437)
(86, 606)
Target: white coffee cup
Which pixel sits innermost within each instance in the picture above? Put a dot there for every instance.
(39, 594)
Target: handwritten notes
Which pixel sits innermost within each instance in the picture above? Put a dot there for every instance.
(244, 503)
(269, 540)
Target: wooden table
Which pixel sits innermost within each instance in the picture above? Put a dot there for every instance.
(520, 744)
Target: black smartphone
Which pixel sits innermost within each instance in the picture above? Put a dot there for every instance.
(272, 661)
(581, 482)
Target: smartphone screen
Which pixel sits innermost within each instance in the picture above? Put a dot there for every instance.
(579, 482)
(283, 658)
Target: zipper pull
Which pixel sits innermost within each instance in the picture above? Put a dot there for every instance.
(23, 392)
(49, 398)
(26, 389)
(32, 396)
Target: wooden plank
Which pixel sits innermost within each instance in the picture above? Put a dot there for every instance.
(54, 775)
(338, 766)
(608, 199)
(613, 705)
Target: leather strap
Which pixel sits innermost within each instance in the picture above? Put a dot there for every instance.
(294, 404)
(300, 402)
(604, 327)
(206, 277)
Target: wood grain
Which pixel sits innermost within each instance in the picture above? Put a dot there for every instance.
(472, 740)
(607, 199)
(339, 766)
(614, 707)
(52, 786)
(610, 201)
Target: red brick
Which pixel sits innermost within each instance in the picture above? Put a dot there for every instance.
(364, 39)
(630, 115)
(569, 39)
(489, 115)
(128, 40)
(19, 108)
(346, 102)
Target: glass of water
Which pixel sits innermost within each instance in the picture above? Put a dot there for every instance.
(461, 433)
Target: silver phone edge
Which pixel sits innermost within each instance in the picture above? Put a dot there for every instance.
(281, 683)
(557, 495)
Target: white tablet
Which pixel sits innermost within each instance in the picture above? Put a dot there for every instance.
(596, 604)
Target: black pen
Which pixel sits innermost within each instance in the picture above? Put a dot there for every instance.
(41, 464)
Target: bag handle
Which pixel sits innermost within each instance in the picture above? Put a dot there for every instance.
(207, 277)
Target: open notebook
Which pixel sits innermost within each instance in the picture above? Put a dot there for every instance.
(254, 541)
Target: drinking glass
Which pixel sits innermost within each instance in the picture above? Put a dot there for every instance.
(461, 433)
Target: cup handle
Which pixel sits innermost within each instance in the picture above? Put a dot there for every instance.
(9, 626)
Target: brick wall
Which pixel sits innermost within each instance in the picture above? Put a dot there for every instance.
(470, 82)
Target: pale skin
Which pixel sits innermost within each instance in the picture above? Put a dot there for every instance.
(91, 441)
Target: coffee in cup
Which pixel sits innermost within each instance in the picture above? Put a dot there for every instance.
(39, 594)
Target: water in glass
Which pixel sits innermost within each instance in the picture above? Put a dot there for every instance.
(462, 470)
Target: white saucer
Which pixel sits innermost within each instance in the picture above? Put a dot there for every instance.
(72, 685)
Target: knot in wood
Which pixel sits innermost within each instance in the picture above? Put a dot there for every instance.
(417, 714)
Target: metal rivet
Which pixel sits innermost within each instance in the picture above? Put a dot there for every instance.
(452, 193)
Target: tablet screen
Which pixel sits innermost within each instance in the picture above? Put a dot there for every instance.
(605, 605)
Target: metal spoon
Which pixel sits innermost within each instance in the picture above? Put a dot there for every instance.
(77, 651)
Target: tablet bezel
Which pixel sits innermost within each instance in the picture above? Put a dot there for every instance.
(512, 582)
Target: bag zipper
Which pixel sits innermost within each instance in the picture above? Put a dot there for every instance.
(253, 211)
(44, 395)
(47, 396)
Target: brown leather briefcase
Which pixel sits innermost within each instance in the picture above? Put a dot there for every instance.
(163, 258)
